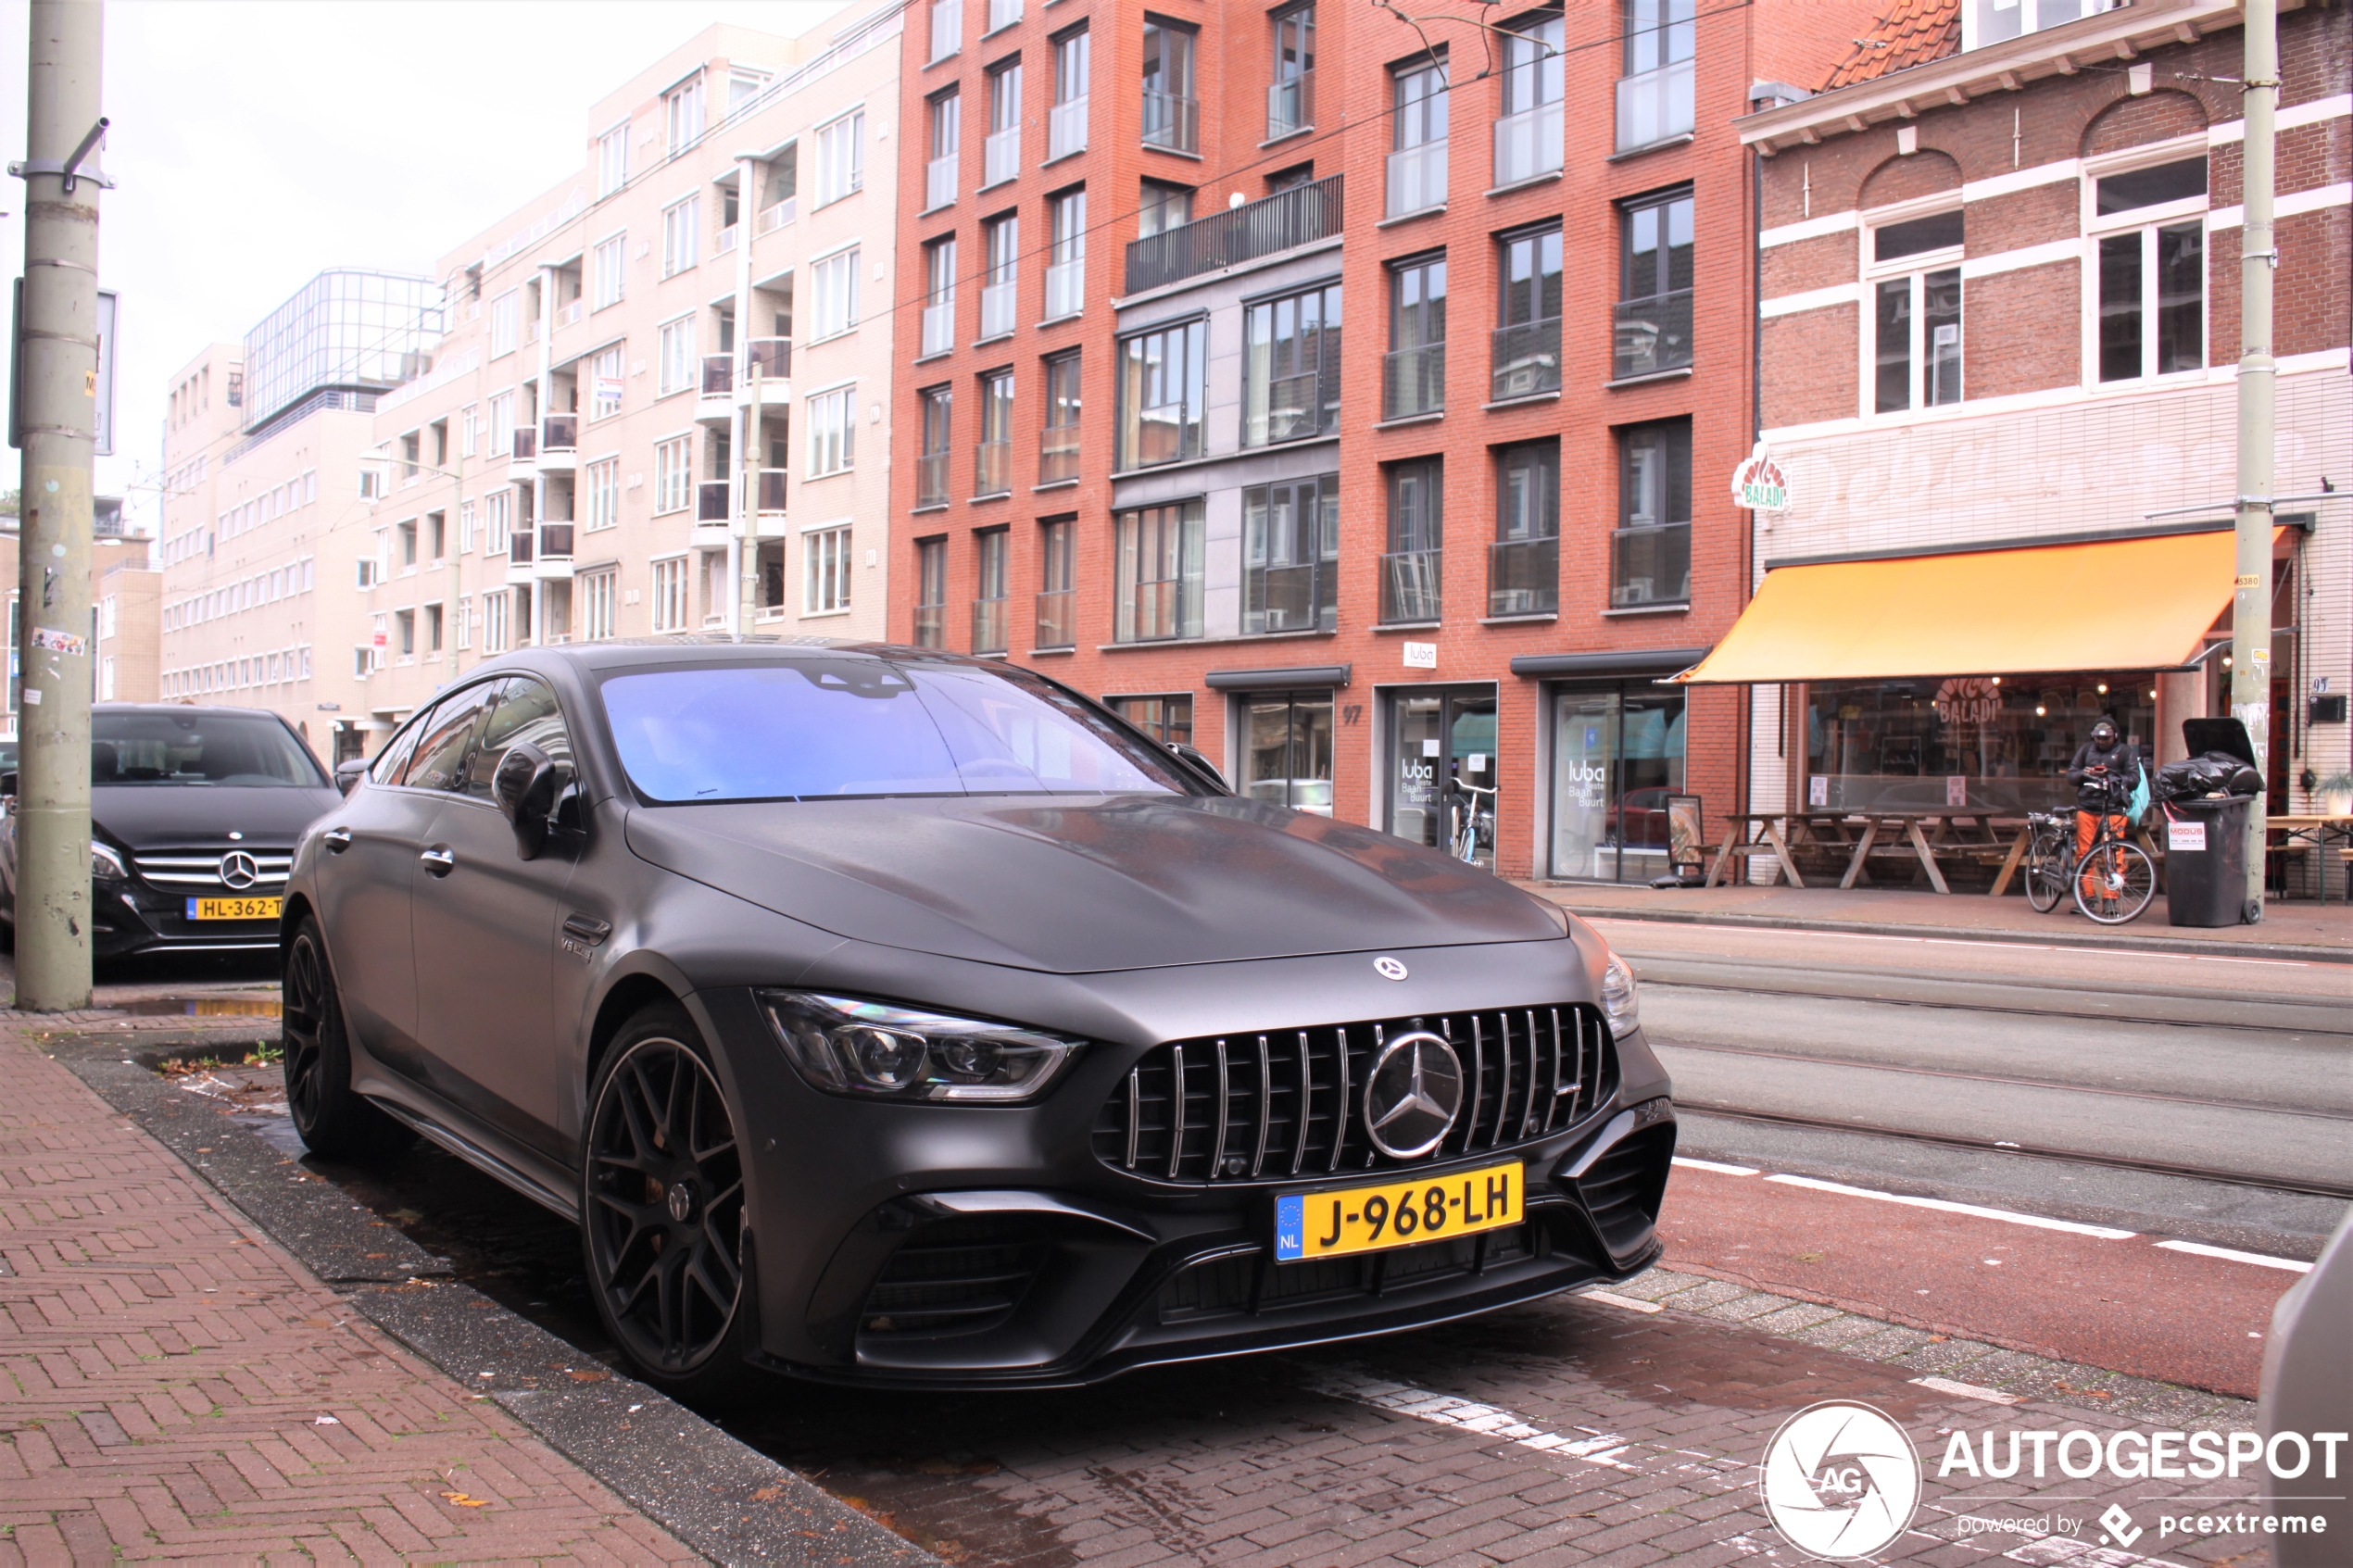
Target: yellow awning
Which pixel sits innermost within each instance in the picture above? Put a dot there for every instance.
(2117, 604)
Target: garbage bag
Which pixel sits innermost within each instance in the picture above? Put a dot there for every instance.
(2216, 773)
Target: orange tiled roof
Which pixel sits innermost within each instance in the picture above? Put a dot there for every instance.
(1909, 32)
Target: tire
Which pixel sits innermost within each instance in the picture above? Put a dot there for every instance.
(2124, 879)
(2046, 876)
(662, 1215)
(334, 1121)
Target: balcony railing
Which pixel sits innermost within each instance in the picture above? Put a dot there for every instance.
(1003, 12)
(1650, 566)
(560, 432)
(939, 182)
(1065, 289)
(1527, 359)
(1057, 454)
(1409, 585)
(710, 501)
(727, 238)
(1058, 619)
(992, 468)
(1296, 407)
(571, 311)
(1654, 106)
(775, 217)
(996, 306)
(1653, 335)
(1286, 598)
(931, 627)
(1417, 178)
(931, 478)
(988, 626)
(1527, 143)
(1412, 381)
(1172, 120)
(718, 375)
(555, 541)
(773, 355)
(1066, 129)
(525, 442)
(770, 488)
(519, 551)
(1300, 216)
(1000, 156)
(947, 28)
(1523, 576)
(939, 328)
(1290, 105)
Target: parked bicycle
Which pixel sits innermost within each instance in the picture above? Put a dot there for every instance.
(2113, 881)
(1471, 821)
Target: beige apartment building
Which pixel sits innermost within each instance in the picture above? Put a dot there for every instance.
(124, 593)
(558, 438)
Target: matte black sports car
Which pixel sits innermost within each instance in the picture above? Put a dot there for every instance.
(194, 813)
(892, 1016)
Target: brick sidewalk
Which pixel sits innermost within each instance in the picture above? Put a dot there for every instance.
(179, 1386)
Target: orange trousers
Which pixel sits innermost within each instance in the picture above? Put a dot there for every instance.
(2087, 829)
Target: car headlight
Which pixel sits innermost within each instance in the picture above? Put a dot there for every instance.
(1621, 1004)
(874, 1050)
(106, 863)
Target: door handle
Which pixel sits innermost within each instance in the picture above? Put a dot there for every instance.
(586, 929)
(337, 840)
(439, 859)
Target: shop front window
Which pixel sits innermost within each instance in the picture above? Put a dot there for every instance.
(1989, 744)
(1617, 754)
(1442, 779)
(1287, 750)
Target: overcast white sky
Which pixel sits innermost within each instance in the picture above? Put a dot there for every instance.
(257, 142)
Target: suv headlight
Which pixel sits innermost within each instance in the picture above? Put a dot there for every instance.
(874, 1050)
(106, 863)
(1621, 1004)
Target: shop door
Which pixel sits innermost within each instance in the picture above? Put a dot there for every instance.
(1444, 770)
(1617, 754)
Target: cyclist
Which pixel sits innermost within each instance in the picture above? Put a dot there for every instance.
(2105, 772)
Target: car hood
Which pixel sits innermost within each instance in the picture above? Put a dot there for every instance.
(1079, 885)
(152, 816)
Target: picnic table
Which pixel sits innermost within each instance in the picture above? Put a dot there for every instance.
(2317, 831)
(1860, 835)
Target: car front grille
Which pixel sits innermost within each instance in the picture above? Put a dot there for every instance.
(1625, 1187)
(1288, 1103)
(195, 869)
(1244, 1282)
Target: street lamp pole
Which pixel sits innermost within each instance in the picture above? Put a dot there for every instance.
(2259, 261)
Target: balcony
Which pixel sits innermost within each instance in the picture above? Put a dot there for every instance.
(519, 556)
(1417, 179)
(1057, 619)
(1650, 566)
(710, 501)
(1523, 577)
(988, 625)
(775, 217)
(1000, 156)
(1057, 454)
(1003, 12)
(727, 238)
(1290, 105)
(947, 28)
(939, 182)
(1066, 129)
(772, 357)
(523, 446)
(769, 491)
(1409, 585)
(1526, 359)
(718, 375)
(1286, 599)
(1654, 106)
(570, 313)
(555, 552)
(1527, 143)
(1301, 215)
(992, 468)
(931, 627)
(1065, 289)
(559, 432)
(998, 303)
(1412, 381)
(931, 478)
(1172, 121)
(1652, 334)
(938, 327)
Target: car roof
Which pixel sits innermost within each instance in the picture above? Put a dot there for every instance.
(179, 709)
(710, 648)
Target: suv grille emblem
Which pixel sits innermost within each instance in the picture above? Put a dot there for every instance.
(239, 870)
(1414, 1095)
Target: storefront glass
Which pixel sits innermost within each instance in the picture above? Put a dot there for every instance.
(1442, 739)
(1287, 750)
(1983, 742)
(1617, 754)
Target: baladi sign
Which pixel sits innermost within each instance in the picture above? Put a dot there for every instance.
(1759, 484)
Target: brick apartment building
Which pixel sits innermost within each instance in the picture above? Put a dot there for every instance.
(2001, 263)
(1353, 567)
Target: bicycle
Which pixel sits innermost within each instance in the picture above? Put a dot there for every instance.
(1467, 815)
(2113, 881)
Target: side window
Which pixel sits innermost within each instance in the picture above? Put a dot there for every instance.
(394, 758)
(442, 739)
(525, 712)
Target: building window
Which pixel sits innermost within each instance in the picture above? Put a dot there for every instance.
(1653, 325)
(506, 318)
(1528, 136)
(669, 594)
(1994, 21)
(494, 622)
(681, 230)
(841, 157)
(1413, 370)
(1523, 566)
(1418, 159)
(613, 160)
(598, 592)
(938, 405)
(603, 486)
(469, 430)
(1161, 395)
(1291, 96)
(931, 593)
(1287, 750)
(824, 571)
(1066, 273)
(1654, 86)
(675, 365)
(988, 591)
(1066, 121)
(947, 29)
(606, 383)
(1163, 207)
(1158, 586)
(1058, 440)
(993, 460)
(1916, 314)
(1172, 110)
(833, 431)
(610, 264)
(1291, 367)
(833, 305)
(947, 134)
(1057, 586)
(497, 520)
(1526, 360)
(673, 474)
(404, 622)
(468, 531)
(999, 289)
(1291, 555)
(1000, 154)
(1651, 553)
(683, 113)
(1413, 568)
(939, 297)
(1168, 719)
(1003, 14)
(2152, 275)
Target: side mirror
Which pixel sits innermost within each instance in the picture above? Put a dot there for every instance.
(524, 787)
(349, 772)
(1201, 762)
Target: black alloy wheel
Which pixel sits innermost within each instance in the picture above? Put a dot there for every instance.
(663, 1210)
(334, 1123)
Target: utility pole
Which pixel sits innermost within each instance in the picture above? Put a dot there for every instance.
(57, 418)
(2258, 260)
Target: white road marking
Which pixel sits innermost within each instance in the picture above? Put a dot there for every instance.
(1946, 942)
(2294, 1265)
(1447, 1410)
(1970, 1391)
(1716, 1166)
(1608, 1298)
(2052, 1551)
(2104, 1233)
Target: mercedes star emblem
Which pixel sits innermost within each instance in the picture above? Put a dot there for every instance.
(239, 870)
(1389, 969)
(681, 1200)
(1414, 1095)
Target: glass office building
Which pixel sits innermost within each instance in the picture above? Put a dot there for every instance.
(345, 336)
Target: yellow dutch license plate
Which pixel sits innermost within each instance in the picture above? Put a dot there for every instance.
(1397, 1214)
(233, 908)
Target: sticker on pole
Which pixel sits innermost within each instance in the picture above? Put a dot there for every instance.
(2185, 837)
(58, 641)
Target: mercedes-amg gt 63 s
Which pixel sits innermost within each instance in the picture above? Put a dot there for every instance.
(888, 1016)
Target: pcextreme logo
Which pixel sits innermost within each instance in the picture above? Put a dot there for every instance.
(1842, 1481)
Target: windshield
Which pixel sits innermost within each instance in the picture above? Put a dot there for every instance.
(198, 748)
(866, 727)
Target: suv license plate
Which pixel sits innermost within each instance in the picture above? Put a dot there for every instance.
(1397, 1214)
(234, 909)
